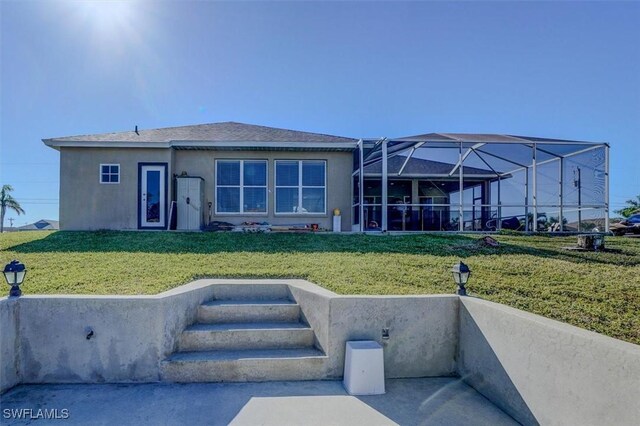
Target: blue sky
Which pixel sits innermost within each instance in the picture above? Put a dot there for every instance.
(567, 70)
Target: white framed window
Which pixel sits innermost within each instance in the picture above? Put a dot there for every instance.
(301, 187)
(110, 173)
(241, 186)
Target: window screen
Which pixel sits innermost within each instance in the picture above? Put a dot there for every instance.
(300, 186)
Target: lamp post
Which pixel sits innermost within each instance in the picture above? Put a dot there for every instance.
(461, 273)
(14, 273)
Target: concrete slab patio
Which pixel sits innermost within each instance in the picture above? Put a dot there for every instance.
(433, 401)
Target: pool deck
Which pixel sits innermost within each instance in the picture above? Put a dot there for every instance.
(433, 401)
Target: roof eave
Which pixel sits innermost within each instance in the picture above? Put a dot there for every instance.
(262, 145)
(57, 144)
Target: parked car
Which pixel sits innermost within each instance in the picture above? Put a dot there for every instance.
(630, 224)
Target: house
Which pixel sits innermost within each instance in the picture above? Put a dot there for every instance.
(41, 225)
(249, 173)
(236, 173)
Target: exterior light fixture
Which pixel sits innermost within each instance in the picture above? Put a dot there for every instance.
(14, 273)
(461, 273)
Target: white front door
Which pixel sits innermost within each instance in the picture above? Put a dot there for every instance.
(152, 196)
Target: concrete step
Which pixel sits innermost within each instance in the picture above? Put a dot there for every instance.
(250, 310)
(236, 336)
(251, 291)
(244, 366)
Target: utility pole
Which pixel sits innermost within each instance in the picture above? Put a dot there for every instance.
(577, 182)
(11, 222)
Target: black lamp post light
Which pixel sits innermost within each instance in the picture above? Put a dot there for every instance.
(461, 273)
(14, 273)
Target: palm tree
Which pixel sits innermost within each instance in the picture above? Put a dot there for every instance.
(633, 206)
(7, 202)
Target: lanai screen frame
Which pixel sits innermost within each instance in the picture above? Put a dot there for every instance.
(370, 151)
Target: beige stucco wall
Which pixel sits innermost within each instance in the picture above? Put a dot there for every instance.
(339, 165)
(85, 204)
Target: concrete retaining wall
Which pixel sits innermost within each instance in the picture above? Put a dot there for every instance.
(44, 340)
(9, 349)
(537, 370)
(54, 348)
(315, 303)
(542, 371)
(423, 332)
(179, 308)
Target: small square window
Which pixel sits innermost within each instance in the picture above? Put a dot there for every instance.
(109, 173)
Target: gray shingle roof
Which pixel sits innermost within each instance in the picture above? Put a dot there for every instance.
(421, 167)
(215, 132)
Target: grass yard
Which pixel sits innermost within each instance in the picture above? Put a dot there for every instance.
(596, 291)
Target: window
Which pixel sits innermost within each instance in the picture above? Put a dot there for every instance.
(241, 186)
(109, 173)
(301, 186)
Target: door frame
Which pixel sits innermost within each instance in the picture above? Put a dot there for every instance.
(166, 195)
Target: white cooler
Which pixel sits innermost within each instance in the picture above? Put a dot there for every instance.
(364, 368)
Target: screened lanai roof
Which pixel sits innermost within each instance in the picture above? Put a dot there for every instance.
(497, 152)
(480, 137)
(529, 183)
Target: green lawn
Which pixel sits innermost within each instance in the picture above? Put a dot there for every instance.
(597, 291)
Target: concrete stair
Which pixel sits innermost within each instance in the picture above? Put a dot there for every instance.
(248, 333)
(245, 366)
(237, 311)
(262, 335)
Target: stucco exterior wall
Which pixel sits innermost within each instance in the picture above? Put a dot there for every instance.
(86, 204)
(339, 168)
(546, 372)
